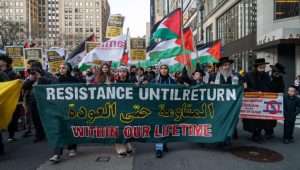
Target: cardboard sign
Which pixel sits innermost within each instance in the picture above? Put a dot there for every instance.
(17, 55)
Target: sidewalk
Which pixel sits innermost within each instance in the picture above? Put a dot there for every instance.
(86, 159)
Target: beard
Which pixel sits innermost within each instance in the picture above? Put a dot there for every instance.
(226, 73)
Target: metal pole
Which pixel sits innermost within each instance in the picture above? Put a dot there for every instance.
(168, 6)
(29, 20)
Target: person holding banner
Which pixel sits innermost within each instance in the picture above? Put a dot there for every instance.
(123, 149)
(65, 77)
(277, 85)
(3, 77)
(257, 81)
(225, 75)
(6, 68)
(166, 79)
(103, 75)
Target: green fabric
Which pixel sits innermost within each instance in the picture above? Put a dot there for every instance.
(67, 110)
(208, 60)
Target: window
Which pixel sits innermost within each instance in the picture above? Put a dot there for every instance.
(209, 33)
(238, 22)
(286, 8)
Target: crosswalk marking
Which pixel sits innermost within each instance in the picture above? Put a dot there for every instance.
(297, 123)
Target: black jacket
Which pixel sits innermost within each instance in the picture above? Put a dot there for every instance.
(258, 82)
(291, 106)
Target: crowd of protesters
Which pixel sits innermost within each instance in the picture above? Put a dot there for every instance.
(258, 80)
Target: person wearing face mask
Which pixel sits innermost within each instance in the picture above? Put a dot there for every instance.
(257, 81)
(166, 79)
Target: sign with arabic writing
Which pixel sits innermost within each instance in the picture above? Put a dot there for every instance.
(261, 105)
(152, 113)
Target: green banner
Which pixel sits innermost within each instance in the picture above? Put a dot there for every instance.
(78, 113)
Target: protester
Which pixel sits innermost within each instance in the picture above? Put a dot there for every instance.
(65, 77)
(257, 81)
(291, 106)
(132, 73)
(123, 149)
(226, 75)
(104, 75)
(197, 77)
(277, 86)
(6, 67)
(165, 79)
(140, 77)
(297, 84)
(36, 76)
(78, 75)
(3, 78)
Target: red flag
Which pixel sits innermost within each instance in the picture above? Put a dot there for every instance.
(188, 45)
(125, 59)
(215, 50)
(26, 45)
(92, 38)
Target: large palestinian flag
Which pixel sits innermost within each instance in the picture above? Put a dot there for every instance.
(210, 53)
(166, 37)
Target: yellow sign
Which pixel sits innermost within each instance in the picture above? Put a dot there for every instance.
(16, 53)
(137, 49)
(54, 61)
(9, 97)
(33, 54)
(89, 46)
(114, 26)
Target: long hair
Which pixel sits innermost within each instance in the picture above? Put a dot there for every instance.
(101, 77)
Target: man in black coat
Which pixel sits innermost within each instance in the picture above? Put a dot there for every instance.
(277, 86)
(257, 81)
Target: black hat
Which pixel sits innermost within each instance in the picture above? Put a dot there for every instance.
(260, 61)
(224, 60)
(34, 69)
(6, 59)
(278, 67)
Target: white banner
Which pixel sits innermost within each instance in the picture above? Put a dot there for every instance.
(111, 50)
(258, 105)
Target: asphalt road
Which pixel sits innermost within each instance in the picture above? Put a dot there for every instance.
(24, 155)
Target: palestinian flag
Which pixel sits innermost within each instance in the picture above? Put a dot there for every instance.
(210, 53)
(109, 51)
(79, 52)
(166, 36)
(178, 62)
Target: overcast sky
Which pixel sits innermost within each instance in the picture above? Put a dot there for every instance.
(136, 12)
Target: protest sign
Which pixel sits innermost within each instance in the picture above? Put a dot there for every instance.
(152, 113)
(259, 105)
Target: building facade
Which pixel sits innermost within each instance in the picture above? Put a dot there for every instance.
(24, 13)
(80, 19)
(57, 23)
(278, 34)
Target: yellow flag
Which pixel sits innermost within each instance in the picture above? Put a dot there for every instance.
(9, 97)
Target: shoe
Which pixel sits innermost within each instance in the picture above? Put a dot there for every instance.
(166, 149)
(37, 140)
(286, 141)
(268, 137)
(72, 153)
(9, 140)
(122, 155)
(27, 134)
(158, 153)
(292, 140)
(55, 159)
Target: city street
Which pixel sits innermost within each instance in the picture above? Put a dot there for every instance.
(23, 154)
